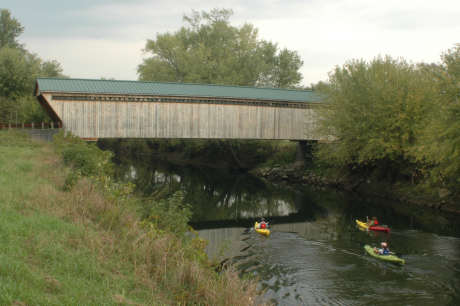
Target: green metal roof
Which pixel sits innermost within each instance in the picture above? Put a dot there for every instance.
(172, 89)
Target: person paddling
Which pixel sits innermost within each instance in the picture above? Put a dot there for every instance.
(384, 250)
(372, 222)
(263, 224)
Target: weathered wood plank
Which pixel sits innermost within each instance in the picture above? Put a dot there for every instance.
(120, 119)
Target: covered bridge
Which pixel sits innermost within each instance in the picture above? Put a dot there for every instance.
(93, 109)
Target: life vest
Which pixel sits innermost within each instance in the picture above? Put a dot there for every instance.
(263, 225)
(376, 222)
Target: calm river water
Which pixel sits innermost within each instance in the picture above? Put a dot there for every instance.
(315, 254)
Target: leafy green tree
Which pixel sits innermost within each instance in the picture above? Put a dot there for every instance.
(18, 70)
(210, 50)
(16, 79)
(10, 29)
(440, 145)
(51, 69)
(375, 110)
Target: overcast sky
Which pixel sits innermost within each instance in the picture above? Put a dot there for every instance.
(105, 38)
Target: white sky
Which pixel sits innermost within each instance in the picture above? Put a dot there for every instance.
(105, 38)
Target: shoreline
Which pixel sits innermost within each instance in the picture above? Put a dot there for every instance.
(296, 175)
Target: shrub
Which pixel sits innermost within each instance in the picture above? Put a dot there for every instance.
(85, 158)
(171, 214)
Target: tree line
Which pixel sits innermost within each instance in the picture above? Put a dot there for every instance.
(395, 120)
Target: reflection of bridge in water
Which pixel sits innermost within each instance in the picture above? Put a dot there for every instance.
(243, 222)
(95, 109)
(228, 242)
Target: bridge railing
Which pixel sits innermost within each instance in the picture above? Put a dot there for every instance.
(32, 125)
(42, 131)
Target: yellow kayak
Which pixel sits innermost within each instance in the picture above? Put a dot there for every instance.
(379, 228)
(362, 225)
(262, 231)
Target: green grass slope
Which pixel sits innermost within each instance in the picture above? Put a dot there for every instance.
(83, 246)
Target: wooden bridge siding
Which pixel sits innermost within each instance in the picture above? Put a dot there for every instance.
(310, 124)
(267, 121)
(104, 119)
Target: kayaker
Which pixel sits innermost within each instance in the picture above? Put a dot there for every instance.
(372, 222)
(263, 224)
(384, 250)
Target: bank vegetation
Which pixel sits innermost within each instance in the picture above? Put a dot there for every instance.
(395, 123)
(70, 234)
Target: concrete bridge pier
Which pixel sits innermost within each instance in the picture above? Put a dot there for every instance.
(304, 154)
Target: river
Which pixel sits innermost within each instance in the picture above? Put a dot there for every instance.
(315, 254)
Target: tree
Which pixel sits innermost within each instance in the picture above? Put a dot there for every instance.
(51, 69)
(10, 29)
(376, 111)
(16, 79)
(209, 50)
(286, 69)
(18, 70)
(440, 145)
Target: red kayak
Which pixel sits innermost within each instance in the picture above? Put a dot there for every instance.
(380, 228)
(363, 225)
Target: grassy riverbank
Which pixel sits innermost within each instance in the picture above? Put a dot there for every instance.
(67, 238)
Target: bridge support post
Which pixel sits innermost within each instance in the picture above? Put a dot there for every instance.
(304, 154)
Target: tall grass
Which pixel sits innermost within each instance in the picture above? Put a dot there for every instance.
(87, 245)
